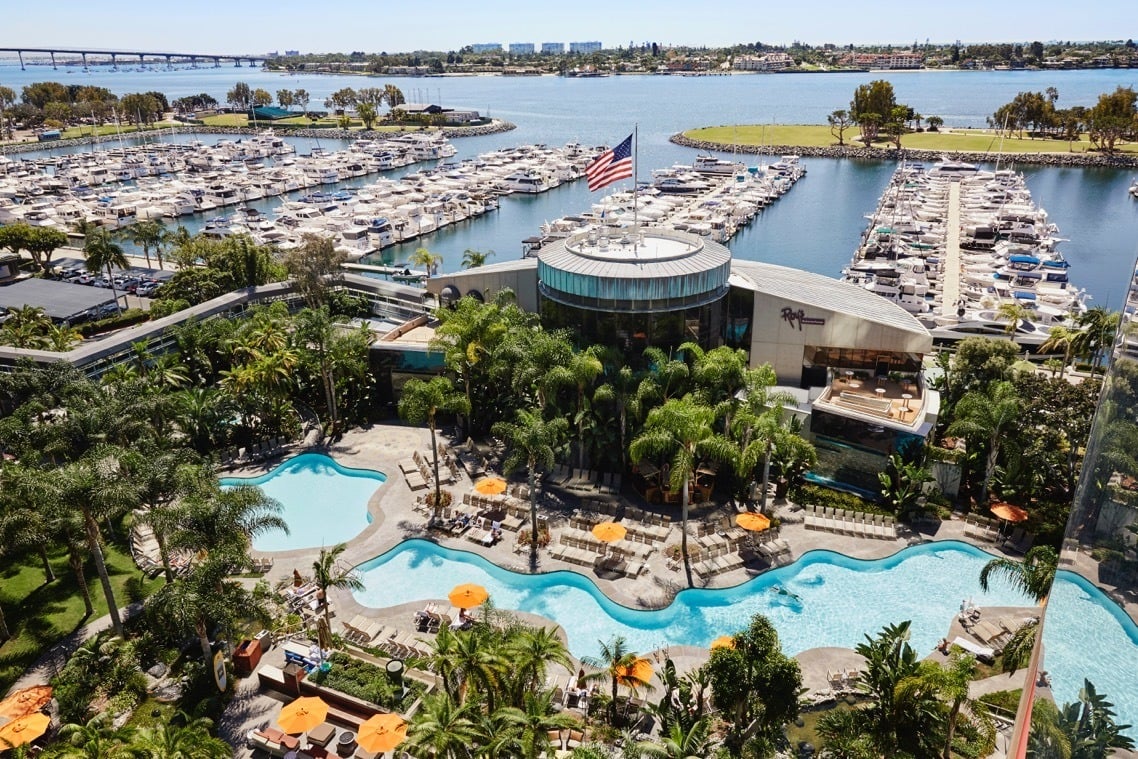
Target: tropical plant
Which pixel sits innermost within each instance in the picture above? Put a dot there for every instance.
(1032, 576)
(327, 572)
(146, 234)
(582, 368)
(621, 666)
(532, 442)
(420, 402)
(425, 260)
(988, 417)
(472, 259)
(443, 729)
(1061, 338)
(101, 254)
(680, 743)
(681, 431)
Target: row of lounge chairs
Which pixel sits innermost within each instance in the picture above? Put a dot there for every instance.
(995, 633)
(587, 516)
(717, 563)
(585, 479)
(774, 549)
(255, 452)
(419, 472)
(856, 523)
(401, 643)
(147, 554)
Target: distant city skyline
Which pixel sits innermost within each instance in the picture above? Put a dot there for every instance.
(213, 26)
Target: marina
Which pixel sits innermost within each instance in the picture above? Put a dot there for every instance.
(967, 251)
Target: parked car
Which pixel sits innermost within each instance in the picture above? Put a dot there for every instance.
(85, 279)
(147, 289)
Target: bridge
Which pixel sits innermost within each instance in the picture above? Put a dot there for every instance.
(114, 55)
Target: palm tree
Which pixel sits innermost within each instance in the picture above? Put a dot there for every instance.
(580, 372)
(759, 424)
(532, 442)
(442, 729)
(102, 253)
(425, 259)
(681, 430)
(226, 520)
(531, 725)
(472, 259)
(530, 653)
(146, 234)
(1089, 725)
(1014, 313)
(97, 739)
(1099, 327)
(989, 415)
(202, 597)
(679, 743)
(1032, 576)
(327, 573)
(419, 403)
(189, 741)
(951, 684)
(1061, 338)
(618, 664)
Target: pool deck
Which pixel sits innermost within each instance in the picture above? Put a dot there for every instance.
(394, 519)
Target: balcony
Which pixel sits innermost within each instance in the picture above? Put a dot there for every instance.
(900, 404)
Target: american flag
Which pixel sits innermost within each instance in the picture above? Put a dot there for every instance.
(610, 166)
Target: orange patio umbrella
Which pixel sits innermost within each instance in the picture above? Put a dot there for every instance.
(640, 670)
(609, 532)
(381, 733)
(490, 486)
(468, 595)
(753, 521)
(23, 730)
(723, 641)
(1009, 512)
(303, 714)
(26, 701)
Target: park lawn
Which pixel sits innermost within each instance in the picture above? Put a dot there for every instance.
(813, 135)
(112, 129)
(226, 120)
(39, 615)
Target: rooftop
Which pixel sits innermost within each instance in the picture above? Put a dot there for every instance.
(59, 300)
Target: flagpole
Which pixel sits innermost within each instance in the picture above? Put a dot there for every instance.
(635, 178)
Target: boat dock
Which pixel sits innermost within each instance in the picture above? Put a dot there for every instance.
(950, 273)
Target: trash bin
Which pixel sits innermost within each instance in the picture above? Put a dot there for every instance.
(247, 656)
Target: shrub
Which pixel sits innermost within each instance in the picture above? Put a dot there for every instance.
(125, 319)
(543, 536)
(365, 681)
(445, 499)
(815, 495)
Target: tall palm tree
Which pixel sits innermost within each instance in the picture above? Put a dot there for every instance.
(420, 402)
(146, 234)
(472, 259)
(226, 520)
(425, 259)
(479, 667)
(531, 724)
(202, 598)
(580, 372)
(759, 424)
(1014, 313)
(1099, 327)
(102, 253)
(532, 442)
(530, 654)
(682, 431)
(951, 683)
(1061, 338)
(327, 572)
(988, 415)
(618, 664)
(1032, 576)
(442, 728)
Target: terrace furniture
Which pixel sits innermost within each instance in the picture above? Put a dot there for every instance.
(322, 734)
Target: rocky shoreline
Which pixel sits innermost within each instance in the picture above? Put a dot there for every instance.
(1082, 160)
(494, 127)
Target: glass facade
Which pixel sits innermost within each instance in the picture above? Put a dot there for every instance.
(633, 332)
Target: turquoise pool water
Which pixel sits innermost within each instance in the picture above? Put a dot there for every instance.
(1086, 635)
(836, 600)
(324, 503)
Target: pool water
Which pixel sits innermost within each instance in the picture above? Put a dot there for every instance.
(324, 503)
(1086, 635)
(829, 599)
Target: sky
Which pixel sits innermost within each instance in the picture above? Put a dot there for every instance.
(259, 26)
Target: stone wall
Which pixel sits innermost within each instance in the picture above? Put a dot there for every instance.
(1099, 160)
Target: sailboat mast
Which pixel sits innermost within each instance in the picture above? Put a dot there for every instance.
(635, 177)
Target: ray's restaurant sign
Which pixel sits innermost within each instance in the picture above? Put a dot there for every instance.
(799, 318)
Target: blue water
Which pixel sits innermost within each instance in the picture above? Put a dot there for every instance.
(840, 599)
(324, 503)
(1086, 635)
(814, 227)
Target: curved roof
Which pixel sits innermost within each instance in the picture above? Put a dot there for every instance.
(824, 292)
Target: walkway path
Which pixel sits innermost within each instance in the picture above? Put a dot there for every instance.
(950, 278)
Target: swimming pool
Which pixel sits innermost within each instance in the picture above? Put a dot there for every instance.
(831, 600)
(836, 601)
(1086, 635)
(324, 503)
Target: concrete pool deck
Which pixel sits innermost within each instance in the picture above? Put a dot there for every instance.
(394, 519)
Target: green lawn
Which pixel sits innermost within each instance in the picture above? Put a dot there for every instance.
(967, 140)
(226, 119)
(39, 615)
(112, 129)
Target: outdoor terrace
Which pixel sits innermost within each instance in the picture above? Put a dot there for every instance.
(900, 402)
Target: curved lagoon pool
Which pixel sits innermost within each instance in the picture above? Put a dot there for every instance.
(830, 599)
(324, 503)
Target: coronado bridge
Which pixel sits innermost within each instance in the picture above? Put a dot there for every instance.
(114, 55)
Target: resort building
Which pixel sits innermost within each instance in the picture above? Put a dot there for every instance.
(552, 48)
(768, 62)
(486, 47)
(585, 47)
(521, 48)
(851, 358)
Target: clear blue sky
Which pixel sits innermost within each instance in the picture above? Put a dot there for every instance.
(256, 26)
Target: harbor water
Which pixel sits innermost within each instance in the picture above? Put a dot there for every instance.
(815, 226)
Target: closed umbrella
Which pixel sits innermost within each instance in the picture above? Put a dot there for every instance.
(303, 714)
(490, 486)
(23, 730)
(26, 701)
(381, 733)
(609, 532)
(753, 521)
(468, 595)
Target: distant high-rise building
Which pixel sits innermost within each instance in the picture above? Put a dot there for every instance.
(487, 47)
(584, 47)
(552, 48)
(521, 48)
(292, 53)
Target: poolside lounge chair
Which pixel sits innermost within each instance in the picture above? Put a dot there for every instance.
(983, 653)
